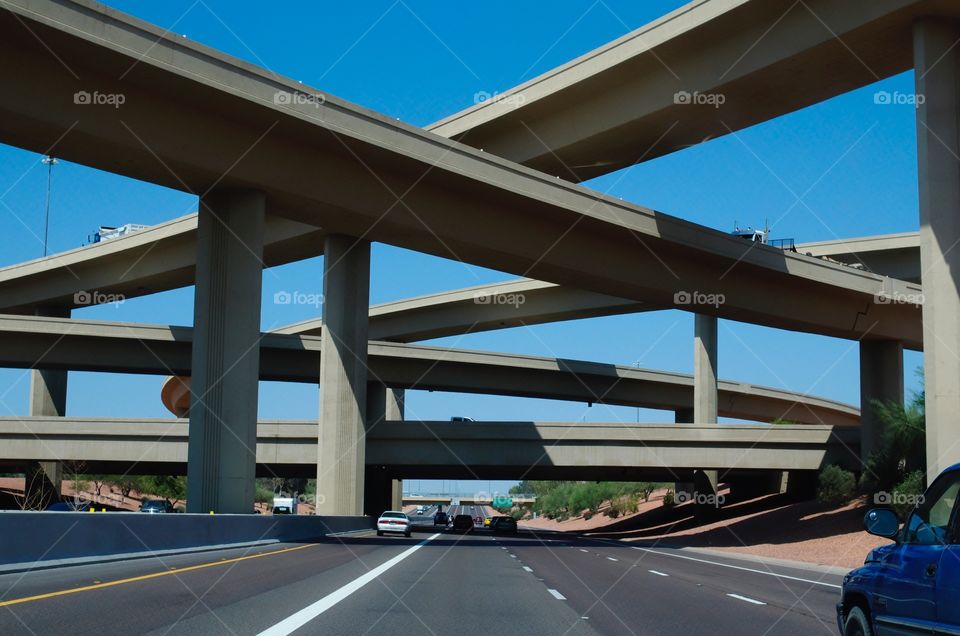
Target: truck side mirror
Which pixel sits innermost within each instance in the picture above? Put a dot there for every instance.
(882, 522)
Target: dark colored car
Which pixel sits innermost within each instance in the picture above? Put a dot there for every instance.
(463, 523)
(440, 519)
(911, 586)
(69, 506)
(156, 506)
(504, 524)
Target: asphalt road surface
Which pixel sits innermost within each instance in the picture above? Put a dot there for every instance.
(437, 582)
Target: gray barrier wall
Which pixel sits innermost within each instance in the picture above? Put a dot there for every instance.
(31, 540)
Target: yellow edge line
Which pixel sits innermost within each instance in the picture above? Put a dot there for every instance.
(145, 577)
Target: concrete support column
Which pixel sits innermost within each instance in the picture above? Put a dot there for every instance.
(705, 402)
(881, 378)
(380, 492)
(396, 502)
(43, 481)
(937, 69)
(705, 369)
(221, 457)
(343, 376)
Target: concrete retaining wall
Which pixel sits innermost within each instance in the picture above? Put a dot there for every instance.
(31, 540)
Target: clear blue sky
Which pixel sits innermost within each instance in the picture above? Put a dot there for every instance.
(852, 161)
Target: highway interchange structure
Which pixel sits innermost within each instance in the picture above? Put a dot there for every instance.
(508, 201)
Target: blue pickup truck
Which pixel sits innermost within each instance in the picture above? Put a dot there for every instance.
(913, 585)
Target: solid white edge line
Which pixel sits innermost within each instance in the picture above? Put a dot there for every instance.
(747, 599)
(740, 567)
(557, 595)
(299, 619)
(657, 573)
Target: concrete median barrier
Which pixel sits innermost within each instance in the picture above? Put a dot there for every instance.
(37, 540)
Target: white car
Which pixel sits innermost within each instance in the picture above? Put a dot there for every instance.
(393, 521)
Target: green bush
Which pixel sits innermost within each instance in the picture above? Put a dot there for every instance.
(622, 505)
(835, 486)
(669, 498)
(907, 492)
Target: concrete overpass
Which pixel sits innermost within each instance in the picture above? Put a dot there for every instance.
(488, 194)
(766, 58)
(416, 500)
(453, 450)
(57, 343)
(176, 92)
(163, 257)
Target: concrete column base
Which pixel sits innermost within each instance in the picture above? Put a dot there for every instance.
(377, 491)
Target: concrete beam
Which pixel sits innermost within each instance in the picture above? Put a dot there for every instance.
(226, 353)
(158, 259)
(491, 450)
(138, 348)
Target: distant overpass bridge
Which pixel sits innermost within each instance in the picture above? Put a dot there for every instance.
(451, 450)
(57, 343)
(416, 500)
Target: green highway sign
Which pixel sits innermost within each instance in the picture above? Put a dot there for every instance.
(502, 501)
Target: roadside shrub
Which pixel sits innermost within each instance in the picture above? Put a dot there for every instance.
(668, 498)
(907, 493)
(835, 486)
(623, 505)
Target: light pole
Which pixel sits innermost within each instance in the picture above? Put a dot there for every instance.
(49, 162)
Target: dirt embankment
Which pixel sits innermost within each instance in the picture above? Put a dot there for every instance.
(772, 526)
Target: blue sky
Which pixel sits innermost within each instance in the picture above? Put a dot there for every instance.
(843, 168)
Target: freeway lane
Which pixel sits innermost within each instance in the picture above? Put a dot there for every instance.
(431, 584)
(624, 589)
(236, 597)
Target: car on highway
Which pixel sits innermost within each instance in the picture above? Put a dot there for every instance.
(504, 524)
(156, 506)
(69, 506)
(440, 519)
(486, 522)
(393, 521)
(912, 585)
(463, 523)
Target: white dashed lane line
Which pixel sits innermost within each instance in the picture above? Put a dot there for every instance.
(528, 569)
(557, 595)
(612, 559)
(746, 599)
(582, 550)
(657, 573)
